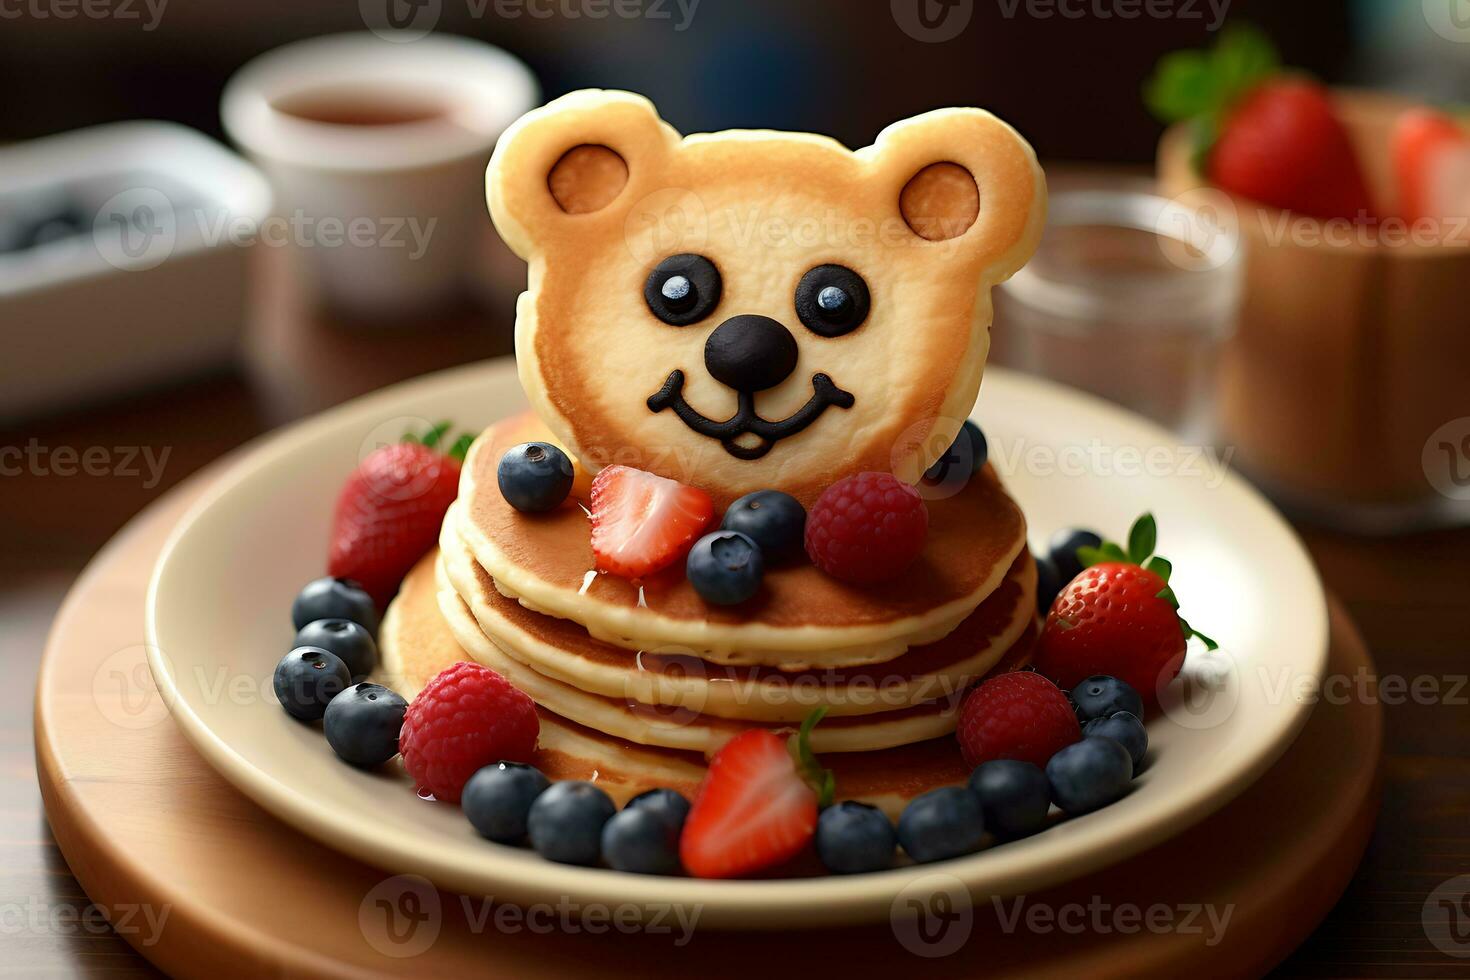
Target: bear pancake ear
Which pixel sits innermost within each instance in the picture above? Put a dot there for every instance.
(963, 176)
(940, 202)
(587, 178)
(573, 159)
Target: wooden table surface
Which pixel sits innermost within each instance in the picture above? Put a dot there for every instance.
(1407, 595)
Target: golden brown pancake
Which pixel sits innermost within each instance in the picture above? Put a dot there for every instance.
(564, 651)
(416, 643)
(801, 618)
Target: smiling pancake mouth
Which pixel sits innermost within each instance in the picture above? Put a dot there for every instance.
(745, 435)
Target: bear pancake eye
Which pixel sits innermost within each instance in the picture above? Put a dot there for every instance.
(832, 300)
(683, 289)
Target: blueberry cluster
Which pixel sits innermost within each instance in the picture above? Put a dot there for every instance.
(1004, 798)
(321, 679)
(575, 822)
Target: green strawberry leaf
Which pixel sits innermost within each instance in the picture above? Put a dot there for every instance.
(432, 437)
(820, 779)
(461, 447)
(1160, 566)
(1143, 536)
(1202, 86)
(1112, 552)
(1182, 86)
(1167, 594)
(1089, 556)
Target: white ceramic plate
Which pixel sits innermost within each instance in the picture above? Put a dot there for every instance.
(219, 619)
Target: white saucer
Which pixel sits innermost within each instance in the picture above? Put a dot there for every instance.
(218, 620)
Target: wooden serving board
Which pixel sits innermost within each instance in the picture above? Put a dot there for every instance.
(206, 884)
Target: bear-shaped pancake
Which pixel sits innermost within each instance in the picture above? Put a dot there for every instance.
(755, 310)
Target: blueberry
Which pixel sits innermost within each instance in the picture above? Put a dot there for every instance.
(1063, 553)
(565, 822)
(1014, 795)
(643, 841)
(942, 823)
(965, 457)
(352, 643)
(1048, 584)
(334, 598)
(307, 679)
(362, 724)
(774, 520)
(669, 805)
(1089, 774)
(725, 568)
(534, 477)
(1125, 728)
(1100, 696)
(497, 800)
(853, 837)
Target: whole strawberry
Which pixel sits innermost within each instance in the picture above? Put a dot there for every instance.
(1260, 133)
(390, 510)
(1118, 617)
(466, 718)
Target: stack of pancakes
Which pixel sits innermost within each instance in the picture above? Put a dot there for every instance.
(639, 682)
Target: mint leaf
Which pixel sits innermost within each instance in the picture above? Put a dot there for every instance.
(1143, 536)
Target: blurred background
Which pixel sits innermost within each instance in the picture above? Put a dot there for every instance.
(157, 377)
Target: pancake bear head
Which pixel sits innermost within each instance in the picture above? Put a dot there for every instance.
(757, 310)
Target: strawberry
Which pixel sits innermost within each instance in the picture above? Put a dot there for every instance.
(642, 523)
(390, 509)
(1262, 135)
(756, 807)
(1429, 151)
(1118, 617)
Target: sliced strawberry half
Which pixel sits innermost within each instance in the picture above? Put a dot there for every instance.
(642, 523)
(756, 807)
(1431, 160)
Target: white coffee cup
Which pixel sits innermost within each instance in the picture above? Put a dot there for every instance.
(376, 151)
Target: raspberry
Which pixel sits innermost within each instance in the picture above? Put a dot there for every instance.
(867, 528)
(466, 718)
(1020, 715)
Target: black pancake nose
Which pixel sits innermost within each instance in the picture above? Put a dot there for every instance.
(750, 353)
